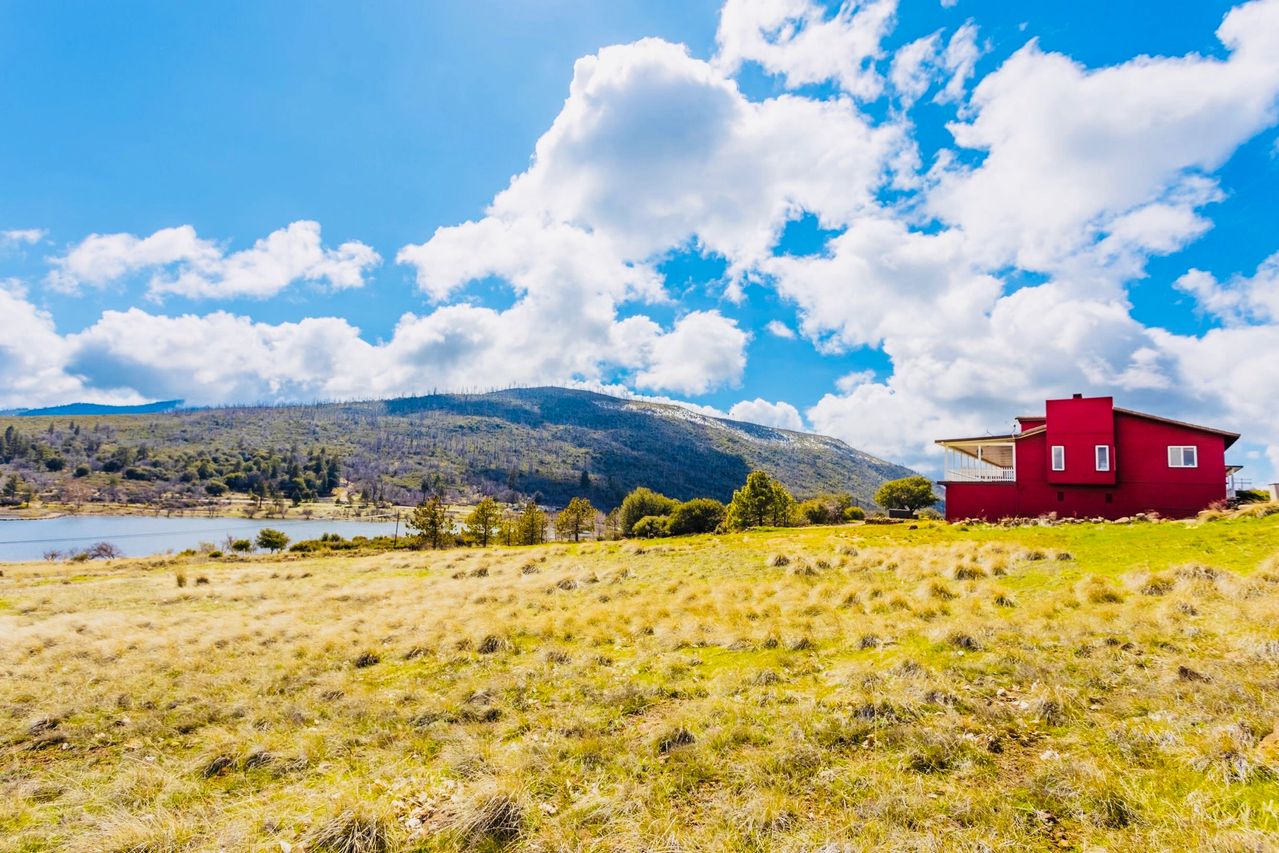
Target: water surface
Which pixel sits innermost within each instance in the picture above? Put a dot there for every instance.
(139, 536)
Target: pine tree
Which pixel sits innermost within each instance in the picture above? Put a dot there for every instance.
(531, 527)
(575, 519)
(431, 521)
(483, 521)
(762, 500)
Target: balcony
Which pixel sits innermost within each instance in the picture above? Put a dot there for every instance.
(980, 460)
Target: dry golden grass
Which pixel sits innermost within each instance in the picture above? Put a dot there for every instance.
(938, 688)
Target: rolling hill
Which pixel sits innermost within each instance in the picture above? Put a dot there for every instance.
(552, 443)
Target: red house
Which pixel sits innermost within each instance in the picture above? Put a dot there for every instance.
(1085, 457)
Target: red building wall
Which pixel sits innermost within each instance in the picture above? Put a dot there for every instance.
(1143, 480)
(1079, 426)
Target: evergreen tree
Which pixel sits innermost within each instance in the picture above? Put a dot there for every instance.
(483, 521)
(531, 527)
(575, 519)
(762, 500)
(431, 521)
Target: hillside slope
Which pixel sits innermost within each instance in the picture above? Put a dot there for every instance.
(553, 443)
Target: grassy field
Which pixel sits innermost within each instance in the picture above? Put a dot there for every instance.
(862, 687)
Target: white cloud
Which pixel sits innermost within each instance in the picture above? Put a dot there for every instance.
(22, 236)
(32, 354)
(1069, 151)
(960, 59)
(183, 263)
(778, 329)
(912, 68)
(1241, 299)
(704, 350)
(653, 151)
(220, 357)
(880, 282)
(759, 411)
(801, 41)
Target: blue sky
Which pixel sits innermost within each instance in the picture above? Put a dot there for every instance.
(886, 221)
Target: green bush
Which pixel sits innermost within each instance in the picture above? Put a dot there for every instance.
(700, 515)
(642, 503)
(854, 513)
(651, 527)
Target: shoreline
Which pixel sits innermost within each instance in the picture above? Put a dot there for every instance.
(108, 513)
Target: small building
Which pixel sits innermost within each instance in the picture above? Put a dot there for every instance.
(1086, 458)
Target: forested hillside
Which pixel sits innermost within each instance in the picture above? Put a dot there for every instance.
(548, 443)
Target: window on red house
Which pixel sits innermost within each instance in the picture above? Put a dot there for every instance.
(1186, 456)
(1103, 457)
(1059, 457)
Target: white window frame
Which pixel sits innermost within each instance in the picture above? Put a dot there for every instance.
(1098, 452)
(1177, 456)
(1053, 454)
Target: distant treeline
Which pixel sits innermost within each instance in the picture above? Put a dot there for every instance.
(64, 453)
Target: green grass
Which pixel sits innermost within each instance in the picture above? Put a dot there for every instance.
(1066, 687)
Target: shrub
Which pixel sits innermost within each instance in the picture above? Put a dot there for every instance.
(651, 527)
(854, 513)
(816, 511)
(643, 503)
(700, 515)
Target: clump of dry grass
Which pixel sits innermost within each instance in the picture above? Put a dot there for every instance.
(358, 830)
(489, 816)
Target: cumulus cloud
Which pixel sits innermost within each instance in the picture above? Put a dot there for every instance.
(759, 411)
(803, 42)
(32, 354)
(1240, 300)
(705, 349)
(220, 357)
(183, 263)
(653, 150)
(1069, 151)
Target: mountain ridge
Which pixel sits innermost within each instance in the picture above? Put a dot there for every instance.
(548, 442)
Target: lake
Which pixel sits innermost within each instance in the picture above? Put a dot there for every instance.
(139, 536)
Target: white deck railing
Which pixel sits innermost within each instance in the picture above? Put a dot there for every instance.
(970, 465)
